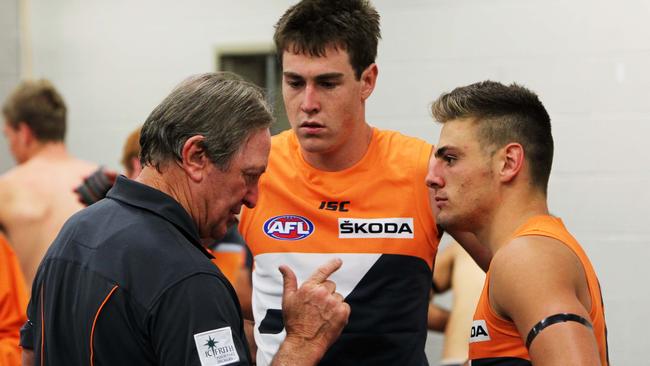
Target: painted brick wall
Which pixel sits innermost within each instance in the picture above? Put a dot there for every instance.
(588, 60)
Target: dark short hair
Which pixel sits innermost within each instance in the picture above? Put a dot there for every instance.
(505, 114)
(311, 26)
(221, 107)
(40, 106)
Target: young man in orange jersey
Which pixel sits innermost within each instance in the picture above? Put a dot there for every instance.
(337, 187)
(541, 302)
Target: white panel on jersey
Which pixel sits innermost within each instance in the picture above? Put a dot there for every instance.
(267, 286)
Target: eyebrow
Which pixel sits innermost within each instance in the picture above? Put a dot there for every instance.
(441, 151)
(329, 76)
(254, 170)
(326, 76)
(291, 74)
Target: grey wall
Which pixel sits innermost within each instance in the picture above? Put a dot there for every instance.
(9, 65)
(588, 60)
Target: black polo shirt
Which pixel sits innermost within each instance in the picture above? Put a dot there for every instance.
(126, 282)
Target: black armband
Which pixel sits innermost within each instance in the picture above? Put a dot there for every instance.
(557, 318)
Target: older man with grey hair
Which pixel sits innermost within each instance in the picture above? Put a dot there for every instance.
(127, 281)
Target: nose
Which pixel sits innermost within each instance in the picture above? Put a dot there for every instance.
(310, 102)
(251, 196)
(434, 179)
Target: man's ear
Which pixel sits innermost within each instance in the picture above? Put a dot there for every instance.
(25, 134)
(512, 161)
(194, 159)
(368, 81)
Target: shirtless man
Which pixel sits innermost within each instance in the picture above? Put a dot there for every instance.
(37, 195)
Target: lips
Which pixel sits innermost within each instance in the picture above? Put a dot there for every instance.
(440, 201)
(311, 127)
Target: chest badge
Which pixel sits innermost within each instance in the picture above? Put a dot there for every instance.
(288, 227)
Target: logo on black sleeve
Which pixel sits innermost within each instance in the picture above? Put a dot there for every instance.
(216, 347)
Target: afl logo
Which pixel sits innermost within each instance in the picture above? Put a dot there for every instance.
(288, 227)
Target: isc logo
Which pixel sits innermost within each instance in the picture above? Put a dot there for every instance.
(288, 227)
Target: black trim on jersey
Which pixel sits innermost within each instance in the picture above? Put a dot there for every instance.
(272, 322)
(553, 319)
(387, 324)
(501, 361)
(602, 303)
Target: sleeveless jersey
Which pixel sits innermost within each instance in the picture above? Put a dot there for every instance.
(496, 341)
(376, 217)
(13, 305)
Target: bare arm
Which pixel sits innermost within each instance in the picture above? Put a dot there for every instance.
(437, 318)
(314, 316)
(28, 357)
(249, 332)
(443, 268)
(536, 277)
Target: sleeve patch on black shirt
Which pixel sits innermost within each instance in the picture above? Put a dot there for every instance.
(216, 347)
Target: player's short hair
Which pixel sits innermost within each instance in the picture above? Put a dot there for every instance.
(505, 114)
(221, 107)
(40, 106)
(311, 26)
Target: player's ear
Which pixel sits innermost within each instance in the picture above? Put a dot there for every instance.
(194, 159)
(368, 80)
(511, 161)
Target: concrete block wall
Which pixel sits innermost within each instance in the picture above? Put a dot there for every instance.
(9, 65)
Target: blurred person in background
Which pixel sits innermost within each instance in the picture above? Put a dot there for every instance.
(38, 194)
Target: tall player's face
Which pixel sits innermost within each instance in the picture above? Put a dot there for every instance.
(324, 100)
(462, 178)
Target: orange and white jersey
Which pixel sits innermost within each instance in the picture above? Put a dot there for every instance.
(13, 305)
(496, 341)
(376, 217)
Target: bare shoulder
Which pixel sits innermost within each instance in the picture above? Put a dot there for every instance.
(84, 167)
(8, 182)
(533, 256)
(532, 277)
(8, 186)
